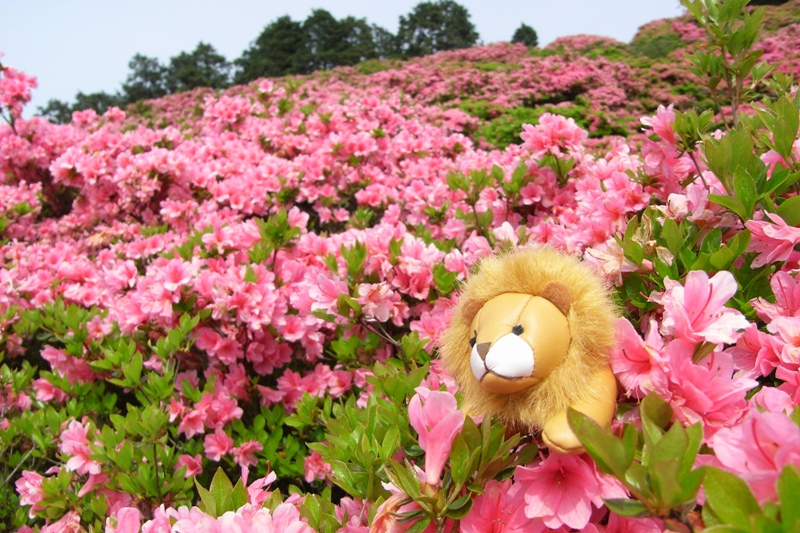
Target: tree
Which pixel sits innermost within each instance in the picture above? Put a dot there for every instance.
(525, 35)
(56, 111)
(386, 45)
(324, 41)
(99, 101)
(203, 67)
(59, 112)
(435, 26)
(276, 52)
(360, 38)
(147, 79)
(333, 43)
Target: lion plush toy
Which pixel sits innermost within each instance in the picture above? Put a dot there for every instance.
(529, 337)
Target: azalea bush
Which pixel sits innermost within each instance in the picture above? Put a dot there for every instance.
(221, 311)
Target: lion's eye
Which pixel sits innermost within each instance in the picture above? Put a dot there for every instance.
(517, 330)
(473, 340)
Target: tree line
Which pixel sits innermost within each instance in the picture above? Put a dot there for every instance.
(286, 47)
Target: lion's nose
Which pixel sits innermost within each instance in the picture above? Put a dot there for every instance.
(483, 349)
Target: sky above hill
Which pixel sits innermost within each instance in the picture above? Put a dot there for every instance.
(85, 45)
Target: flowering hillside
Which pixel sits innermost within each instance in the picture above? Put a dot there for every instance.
(221, 312)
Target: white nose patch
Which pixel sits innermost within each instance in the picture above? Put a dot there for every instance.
(476, 363)
(509, 357)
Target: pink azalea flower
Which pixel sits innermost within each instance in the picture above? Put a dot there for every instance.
(217, 444)
(559, 490)
(69, 523)
(758, 448)
(500, 509)
(696, 312)
(127, 520)
(706, 391)
(786, 289)
(624, 524)
(193, 423)
(29, 488)
(661, 124)
(245, 455)
(256, 492)
(314, 467)
(552, 134)
(774, 242)
(193, 464)
(756, 353)
(638, 364)
(75, 442)
(437, 421)
(325, 294)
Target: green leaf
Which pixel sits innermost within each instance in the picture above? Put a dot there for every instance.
(444, 279)
(133, 370)
(655, 414)
(764, 524)
(391, 441)
(745, 188)
(239, 496)
(404, 477)
(472, 435)
(722, 258)
(345, 302)
(606, 450)
(654, 409)
(672, 445)
(420, 525)
(663, 475)
(673, 236)
(724, 528)
(730, 498)
(216, 501)
(457, 182)
(459, 460)
(342, 476)
(739, 242)
(125, 455)
(789, 211)
(784, 138)
(627, 507)
(633, 251)
(789, 495)
(730, 202)
(459, 508)
(695, 435)
(718, 158)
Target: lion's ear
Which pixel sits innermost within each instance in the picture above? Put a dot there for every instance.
(470, 309)
(558, 294)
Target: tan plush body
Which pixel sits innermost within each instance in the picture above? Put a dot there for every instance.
(529, 337)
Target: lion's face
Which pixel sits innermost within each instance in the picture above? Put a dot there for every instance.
(517, 340)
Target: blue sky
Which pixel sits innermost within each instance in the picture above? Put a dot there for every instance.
(85, 45)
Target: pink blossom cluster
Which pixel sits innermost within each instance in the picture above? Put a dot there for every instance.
(15, 90)
(146, 220)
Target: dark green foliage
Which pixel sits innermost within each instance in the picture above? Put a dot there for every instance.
(658, 46)
(61, 112)
(100, 102)
(332, 43)
(276, 52)
(318, 43)
(434, 27)
(147, 79)
(525, 35)
(203, 67)
(56, 111)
